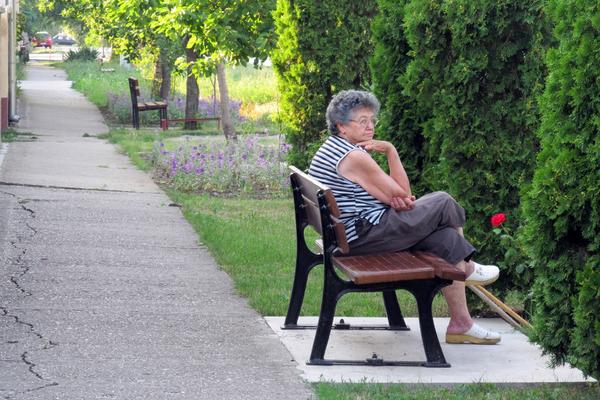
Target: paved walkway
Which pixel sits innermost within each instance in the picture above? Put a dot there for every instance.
(104, 291)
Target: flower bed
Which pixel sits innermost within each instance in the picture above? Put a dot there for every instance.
(243, 167)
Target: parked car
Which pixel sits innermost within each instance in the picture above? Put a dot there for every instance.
(41, 39)
(63, 39)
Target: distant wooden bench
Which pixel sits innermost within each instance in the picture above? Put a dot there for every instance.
(137, 105)
(422, 274)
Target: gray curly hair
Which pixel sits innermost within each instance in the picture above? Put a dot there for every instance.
(343, 103)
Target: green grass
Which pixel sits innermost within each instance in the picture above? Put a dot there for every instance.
(247, 84)
(95, 84)
(371, 391)
(136, 144)
(20, 71)
(11, 135)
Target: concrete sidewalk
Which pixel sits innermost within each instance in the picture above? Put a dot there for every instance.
(104, 290)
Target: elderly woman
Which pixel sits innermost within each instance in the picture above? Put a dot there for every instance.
(381, 214)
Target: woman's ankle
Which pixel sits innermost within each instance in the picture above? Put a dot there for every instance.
(459, 325)
(469, 268)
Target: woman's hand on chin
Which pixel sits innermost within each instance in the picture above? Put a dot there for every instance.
(377, 146)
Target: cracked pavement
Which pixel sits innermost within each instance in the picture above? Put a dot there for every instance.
(105, 292)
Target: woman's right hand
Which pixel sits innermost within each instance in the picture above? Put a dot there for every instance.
(402, 203)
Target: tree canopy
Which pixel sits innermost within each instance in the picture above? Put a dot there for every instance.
(222, 30)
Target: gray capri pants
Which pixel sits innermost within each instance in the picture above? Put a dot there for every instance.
(429, 226)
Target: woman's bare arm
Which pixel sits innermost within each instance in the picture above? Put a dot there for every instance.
(397, 171)
(359, 167)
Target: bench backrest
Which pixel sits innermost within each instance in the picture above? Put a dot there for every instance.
(316, 206)
(134, 90)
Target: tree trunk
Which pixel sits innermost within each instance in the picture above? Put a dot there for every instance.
(165, 83)
(164, 65)
(192, 92)
(157, 81)
(162, 75)
(227, 123)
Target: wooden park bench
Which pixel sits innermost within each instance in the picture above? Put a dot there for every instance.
(422, 274)
(137, 105)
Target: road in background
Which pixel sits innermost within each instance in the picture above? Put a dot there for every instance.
(58, 52)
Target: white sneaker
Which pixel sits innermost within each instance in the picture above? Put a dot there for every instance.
(475, 335)
(483, 275)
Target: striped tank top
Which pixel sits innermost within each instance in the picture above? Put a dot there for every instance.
(353, 201)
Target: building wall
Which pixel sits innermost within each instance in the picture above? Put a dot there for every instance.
(4, 45)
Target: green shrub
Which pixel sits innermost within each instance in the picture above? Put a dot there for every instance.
(323, 47)
(475, 70)
(399, 119)
(83, 54)
(562, 206)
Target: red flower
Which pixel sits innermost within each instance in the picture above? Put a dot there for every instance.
(498, 219)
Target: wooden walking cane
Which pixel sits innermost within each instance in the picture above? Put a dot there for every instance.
(500, 308)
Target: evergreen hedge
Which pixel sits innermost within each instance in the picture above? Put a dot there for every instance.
(323, 47)
(562, 206)
(399, 118)
(475, 68)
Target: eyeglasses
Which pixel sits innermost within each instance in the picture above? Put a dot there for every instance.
(364, 122)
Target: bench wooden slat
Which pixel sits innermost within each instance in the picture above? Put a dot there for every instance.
(313, 215)
(380, 268)
(312, 187)
(443, 269)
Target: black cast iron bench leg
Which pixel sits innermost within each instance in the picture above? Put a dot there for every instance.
(332, 291)
(394, 314)
(433, 351)
(304, 264)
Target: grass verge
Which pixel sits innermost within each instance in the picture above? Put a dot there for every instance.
(248, 84)
(11, 135)
(372, 391)
(88, 78)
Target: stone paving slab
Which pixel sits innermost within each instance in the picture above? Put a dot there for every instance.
(514, 360)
